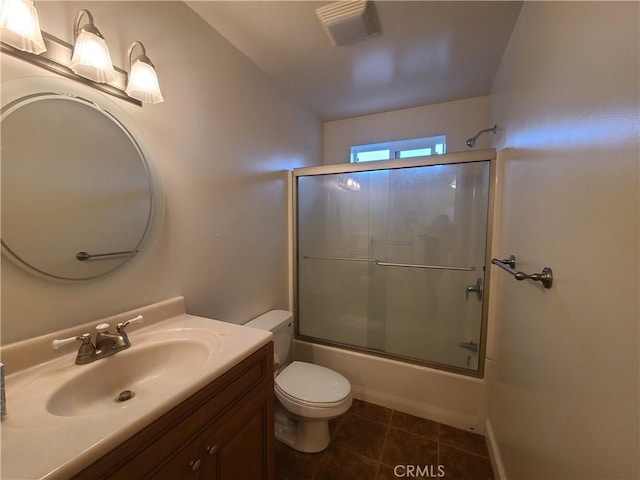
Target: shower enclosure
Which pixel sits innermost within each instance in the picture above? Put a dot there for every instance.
(391, 256)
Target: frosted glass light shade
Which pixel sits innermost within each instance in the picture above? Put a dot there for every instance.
(91, 59)
(143, 82)
(19, 26)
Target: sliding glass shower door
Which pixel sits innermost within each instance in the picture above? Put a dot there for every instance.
(392, 260)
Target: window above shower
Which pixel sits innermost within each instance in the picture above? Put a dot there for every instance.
(414, 147)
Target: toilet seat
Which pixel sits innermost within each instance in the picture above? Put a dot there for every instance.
(312, 385)
(305, 403)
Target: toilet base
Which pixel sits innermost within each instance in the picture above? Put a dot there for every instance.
(308, 436)
(285, 427)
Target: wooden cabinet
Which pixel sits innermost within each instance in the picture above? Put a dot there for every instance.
(223, 432)
(231, 449)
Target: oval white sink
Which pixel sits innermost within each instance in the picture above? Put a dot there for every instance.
(145, 370)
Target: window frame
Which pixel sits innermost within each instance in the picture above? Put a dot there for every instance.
(396, 148)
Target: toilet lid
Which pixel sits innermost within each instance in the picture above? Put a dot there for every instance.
(313, 383)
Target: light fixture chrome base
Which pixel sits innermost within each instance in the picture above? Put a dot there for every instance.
(57, 58)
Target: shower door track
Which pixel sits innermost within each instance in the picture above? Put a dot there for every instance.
(444, 159)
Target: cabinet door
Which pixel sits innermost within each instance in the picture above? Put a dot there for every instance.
(186, 465)
(241, 448)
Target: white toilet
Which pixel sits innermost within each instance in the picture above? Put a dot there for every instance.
(308, 395)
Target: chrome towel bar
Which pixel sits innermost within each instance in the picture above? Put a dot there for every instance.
(389, 264)
(429, 267)
(509, 265)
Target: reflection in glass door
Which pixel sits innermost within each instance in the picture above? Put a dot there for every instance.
(392, 260)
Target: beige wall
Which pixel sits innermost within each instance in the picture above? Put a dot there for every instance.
(459, 120)
(220, 143)
(564, 393)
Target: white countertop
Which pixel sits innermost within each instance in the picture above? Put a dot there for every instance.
(39, 444)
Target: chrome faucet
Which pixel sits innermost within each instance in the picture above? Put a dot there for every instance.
(107, 343)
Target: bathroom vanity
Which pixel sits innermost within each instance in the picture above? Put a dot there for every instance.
(202, 403)
(224, 431)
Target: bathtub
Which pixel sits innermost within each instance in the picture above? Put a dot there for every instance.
(456, 400)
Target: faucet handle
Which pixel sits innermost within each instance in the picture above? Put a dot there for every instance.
(123, 325)
(86, 339)
(102, 327)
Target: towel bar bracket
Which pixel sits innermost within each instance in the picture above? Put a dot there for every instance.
(546, 277)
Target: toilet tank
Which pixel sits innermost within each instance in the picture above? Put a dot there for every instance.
(280, 323)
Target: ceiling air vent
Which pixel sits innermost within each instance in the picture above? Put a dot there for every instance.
(349, 21)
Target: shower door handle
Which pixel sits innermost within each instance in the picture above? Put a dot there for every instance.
(477, 289)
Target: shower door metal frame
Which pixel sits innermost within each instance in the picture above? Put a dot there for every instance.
(486, 155)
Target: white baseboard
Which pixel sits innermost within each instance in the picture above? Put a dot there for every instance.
(494, 453)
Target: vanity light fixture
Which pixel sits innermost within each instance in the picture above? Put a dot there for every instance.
(143, 81)
(90, 57)
(19, 26)
(86, 61)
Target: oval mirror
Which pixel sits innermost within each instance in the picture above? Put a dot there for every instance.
(77, 193)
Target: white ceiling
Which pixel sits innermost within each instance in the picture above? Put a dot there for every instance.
(429, 52)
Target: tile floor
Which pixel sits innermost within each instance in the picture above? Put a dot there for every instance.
(369, 442)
